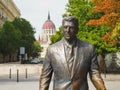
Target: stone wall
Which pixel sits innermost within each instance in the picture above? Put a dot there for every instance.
(112, 61)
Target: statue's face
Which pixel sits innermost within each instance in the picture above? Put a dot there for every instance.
(69, 30)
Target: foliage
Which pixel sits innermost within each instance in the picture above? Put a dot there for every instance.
(16, 34)
(27, 31)
(57, 36)
(92, 31)
(94, 37)
(113, 36)
(36, 48)
(9, 39)
(82, 10)
(111, 17)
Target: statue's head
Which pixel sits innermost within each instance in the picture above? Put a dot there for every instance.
(70, 28)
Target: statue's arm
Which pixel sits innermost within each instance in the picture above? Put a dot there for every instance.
(46, 73)
(95, 73)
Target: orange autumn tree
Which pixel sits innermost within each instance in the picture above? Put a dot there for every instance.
(111, 17)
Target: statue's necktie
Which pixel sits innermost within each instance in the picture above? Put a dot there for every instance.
(70, 58)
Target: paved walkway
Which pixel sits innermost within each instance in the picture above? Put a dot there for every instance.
(32, 83)
(112, 81)
(5, 69)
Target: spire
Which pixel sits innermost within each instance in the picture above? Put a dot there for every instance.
(48, 15)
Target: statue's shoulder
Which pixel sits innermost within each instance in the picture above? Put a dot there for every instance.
(84, 44)
(57, 44)
(53, 47)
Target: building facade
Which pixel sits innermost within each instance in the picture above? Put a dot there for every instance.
(48, 29)
(8, 11)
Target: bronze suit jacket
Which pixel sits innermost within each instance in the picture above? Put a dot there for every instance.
(85, 61)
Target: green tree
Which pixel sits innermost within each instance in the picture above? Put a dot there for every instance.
(9, 39)
(27, 31)
(57, 36)
(82, 10)
(111, 17)
(36, 49)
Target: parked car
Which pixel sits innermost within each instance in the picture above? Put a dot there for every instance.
(41, 60)
(37, 61)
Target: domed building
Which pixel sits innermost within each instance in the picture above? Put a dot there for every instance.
(48, 29)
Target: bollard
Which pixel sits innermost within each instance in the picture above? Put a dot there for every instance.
(17, 75)
(105, 72)
(26, 72)
(10, 74)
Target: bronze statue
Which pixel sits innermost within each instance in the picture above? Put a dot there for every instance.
(70, 60)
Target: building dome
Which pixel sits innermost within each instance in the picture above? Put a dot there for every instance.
(48, 25)
(48, 29)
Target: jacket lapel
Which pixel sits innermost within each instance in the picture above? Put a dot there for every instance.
(63, 57)
(75, 62)
(77, 58)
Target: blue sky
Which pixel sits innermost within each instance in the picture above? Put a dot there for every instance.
(36, 12)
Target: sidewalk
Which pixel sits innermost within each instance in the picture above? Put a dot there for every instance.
(34, 69)
(6, 69)
(112, 81)
(32, 83)
(111, 77)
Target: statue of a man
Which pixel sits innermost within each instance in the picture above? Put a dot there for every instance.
(70, 60)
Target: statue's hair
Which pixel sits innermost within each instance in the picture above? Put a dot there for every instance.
(71, 19)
